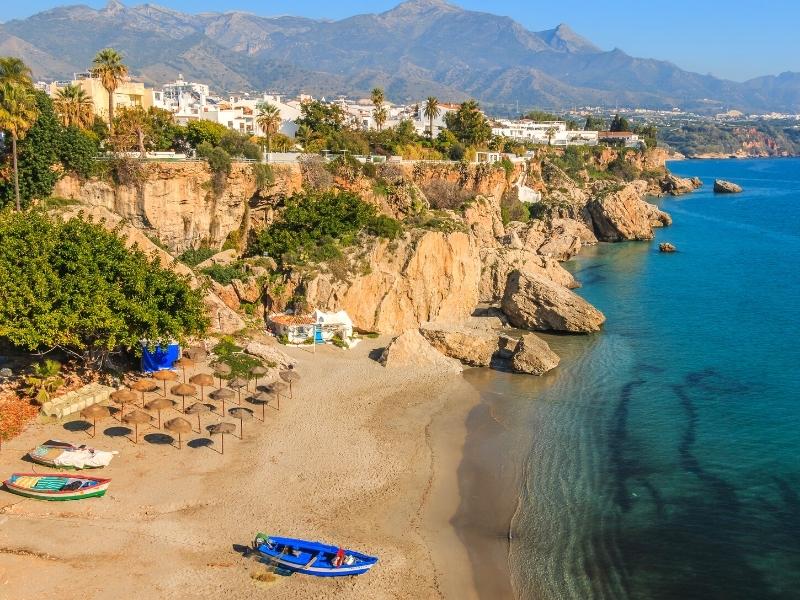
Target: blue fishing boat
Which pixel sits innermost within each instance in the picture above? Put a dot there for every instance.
(311, 558)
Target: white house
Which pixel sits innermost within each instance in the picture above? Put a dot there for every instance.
(554, 133)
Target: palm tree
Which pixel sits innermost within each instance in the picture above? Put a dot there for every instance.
(431, 111)
(269, 120)
(111, 71)
(18, 112)
(15, 72)
(74, 107)
(379, 114)
(550, 132)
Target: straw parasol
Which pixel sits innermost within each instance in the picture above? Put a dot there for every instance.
(242, 414)
(237, 383)
(221, 429)
(94, 412)
(183, 390)
(277, 387)
(197, 409)
(123, 397)
(258, 371)
(203, 380)
(136, 418)
(160, 404)
(165, 375)
(262, 398)
(184, 363)
(196, 353)
(222, 370)
(180, 426)
(290, 377)
(222, 394)
(145, 385)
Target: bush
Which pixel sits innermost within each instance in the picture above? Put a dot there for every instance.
(229, 353)
(264, 176)
(385, 227)
(444, 194)
(194, 257)
(225, 274)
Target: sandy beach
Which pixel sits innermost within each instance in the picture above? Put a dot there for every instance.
(362, 456)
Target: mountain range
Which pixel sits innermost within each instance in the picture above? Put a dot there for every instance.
(417, 49)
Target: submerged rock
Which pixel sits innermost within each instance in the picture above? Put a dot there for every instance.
(533, 302)
(726, 187)
(534, 356)
(410, 349)
(667, 247)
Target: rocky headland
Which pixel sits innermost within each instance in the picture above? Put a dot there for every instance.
(468, 246)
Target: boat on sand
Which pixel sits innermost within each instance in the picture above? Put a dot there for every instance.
(311, 558)
(55, 453)
(56, 486)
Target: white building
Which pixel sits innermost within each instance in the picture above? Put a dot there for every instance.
(554, 133)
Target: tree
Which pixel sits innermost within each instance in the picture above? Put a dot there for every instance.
(320, 118)
(76, 286)
(619, 123)
(379, 113)
(431, 111)
(541, 116)
(269, 120)
(132, 129)
(45, 380)
(74, 107)
(14, 72)
(550, 133)
(469, 124)
(18, 113)
(111, 71)
(201, 131)
(594, 124)
(165, 133)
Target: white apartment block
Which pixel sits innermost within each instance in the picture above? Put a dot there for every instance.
(554, 133)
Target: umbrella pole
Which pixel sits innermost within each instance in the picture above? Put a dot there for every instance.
(198, 423)
(183, 401)
(241, 429)
(279, 399)
(165, 388)
(223, 443)
(136, 434)
(179, 441)
(94, 427)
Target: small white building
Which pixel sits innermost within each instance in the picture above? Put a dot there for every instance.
(554, 133)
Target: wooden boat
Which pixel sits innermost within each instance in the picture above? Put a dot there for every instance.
(311, 558)
(58, 454)
(56, 486)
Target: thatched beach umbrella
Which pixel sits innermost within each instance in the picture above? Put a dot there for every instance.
(123, 397)
(197, 409)
(258, 371)
(136, 418)
(277, 388)
(222, 429)
(222, 394)
(237, 383)
(183, 390)
(165, 375)
(145, 385)
(184, 363)
(203, 380)
(243, 414)
(196, 353)
(262, 398)
(158, 405)
(290, 376)
(180, 426)
(94, 412)
(222, 370)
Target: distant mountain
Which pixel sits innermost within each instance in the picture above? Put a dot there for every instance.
(419, 48)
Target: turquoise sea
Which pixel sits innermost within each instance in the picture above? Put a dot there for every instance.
(661, 460)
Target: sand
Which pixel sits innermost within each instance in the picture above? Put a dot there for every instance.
(362, 456)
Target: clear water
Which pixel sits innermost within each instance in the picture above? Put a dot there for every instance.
(662, 459)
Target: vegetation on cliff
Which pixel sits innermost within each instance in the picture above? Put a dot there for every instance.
(74, 285)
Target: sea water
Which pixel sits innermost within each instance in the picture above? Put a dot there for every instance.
(662, 458)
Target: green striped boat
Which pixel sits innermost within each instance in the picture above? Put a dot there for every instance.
(56, 486)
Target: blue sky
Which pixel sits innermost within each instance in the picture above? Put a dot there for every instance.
(736, 39)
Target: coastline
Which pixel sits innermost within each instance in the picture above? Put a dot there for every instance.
(364, 456)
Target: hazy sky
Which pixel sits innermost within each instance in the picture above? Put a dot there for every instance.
(736, 39)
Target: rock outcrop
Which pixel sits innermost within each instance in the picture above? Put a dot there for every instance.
(474, 347)
(410, 349)
(534, 356)
(498, 263)
(270, 353)
(667, 247)
(421, 277)
(623, 215)
(534, 302)
(559, 238)
(726, 187)
(677, 186)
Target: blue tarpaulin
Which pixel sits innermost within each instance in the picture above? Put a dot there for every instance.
(162, 357)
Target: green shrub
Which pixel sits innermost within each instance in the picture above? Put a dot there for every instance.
(229, 353)
(263, 175)
(194, 257)
(385, 227)
(225, 274)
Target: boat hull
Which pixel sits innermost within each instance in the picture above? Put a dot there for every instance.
(315, 571)
(311, 558)
(52, 498)
(29, 486)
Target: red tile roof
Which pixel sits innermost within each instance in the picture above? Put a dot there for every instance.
(292, 319)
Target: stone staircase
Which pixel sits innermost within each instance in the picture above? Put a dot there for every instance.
(76, 400)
